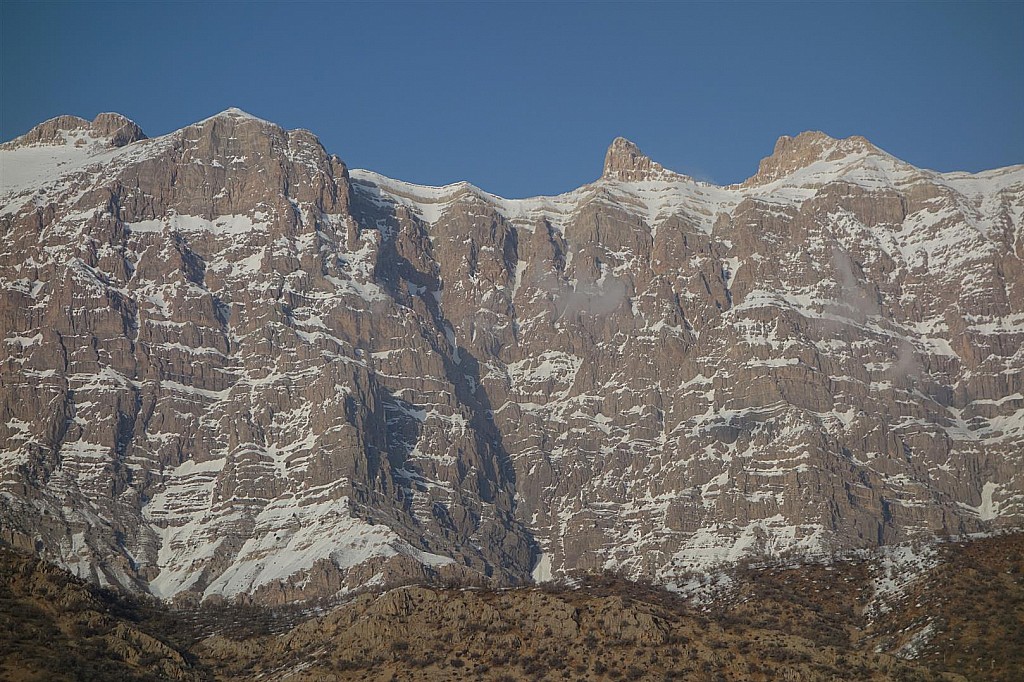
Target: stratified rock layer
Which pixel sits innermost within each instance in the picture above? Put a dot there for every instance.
(232, 366)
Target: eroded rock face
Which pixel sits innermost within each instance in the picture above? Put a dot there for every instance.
(625, 161)
(232, 366)
(113, 129)
(793, 154)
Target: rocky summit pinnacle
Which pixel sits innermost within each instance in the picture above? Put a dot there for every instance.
(792, 154)
(232, 367)
(113, 130)
(625, 161)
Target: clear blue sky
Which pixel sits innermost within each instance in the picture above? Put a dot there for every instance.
(523, 98)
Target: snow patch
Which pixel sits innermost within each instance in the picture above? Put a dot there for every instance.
(542, 571)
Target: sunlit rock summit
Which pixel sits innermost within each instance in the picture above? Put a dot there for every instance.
(230, 365)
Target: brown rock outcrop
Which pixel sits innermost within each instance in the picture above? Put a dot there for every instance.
(625, 161)
(795, 153)
(114, 129)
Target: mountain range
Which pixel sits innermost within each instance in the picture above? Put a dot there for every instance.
(232, 367)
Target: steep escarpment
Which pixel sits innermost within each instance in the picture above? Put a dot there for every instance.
(234, 367)
(195, 394)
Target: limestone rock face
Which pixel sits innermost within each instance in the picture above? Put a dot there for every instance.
(625, 161)
(118, 129)
(114, 129)
(795, 153)
(232, 367)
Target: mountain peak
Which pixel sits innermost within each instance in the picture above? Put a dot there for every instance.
(235, 112)
(235, 116)
(794, 153)
(625, 161)
(117, 129)
(239, 115)
(120, 129)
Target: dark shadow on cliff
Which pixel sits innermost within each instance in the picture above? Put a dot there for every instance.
(404, 237)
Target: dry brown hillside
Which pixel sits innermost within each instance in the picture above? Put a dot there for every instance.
(959, 616)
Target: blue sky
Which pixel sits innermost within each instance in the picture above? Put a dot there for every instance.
(523, 98)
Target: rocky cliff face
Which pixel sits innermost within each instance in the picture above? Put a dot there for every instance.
(232, 366)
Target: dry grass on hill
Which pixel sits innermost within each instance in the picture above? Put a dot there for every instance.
(960, 619)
